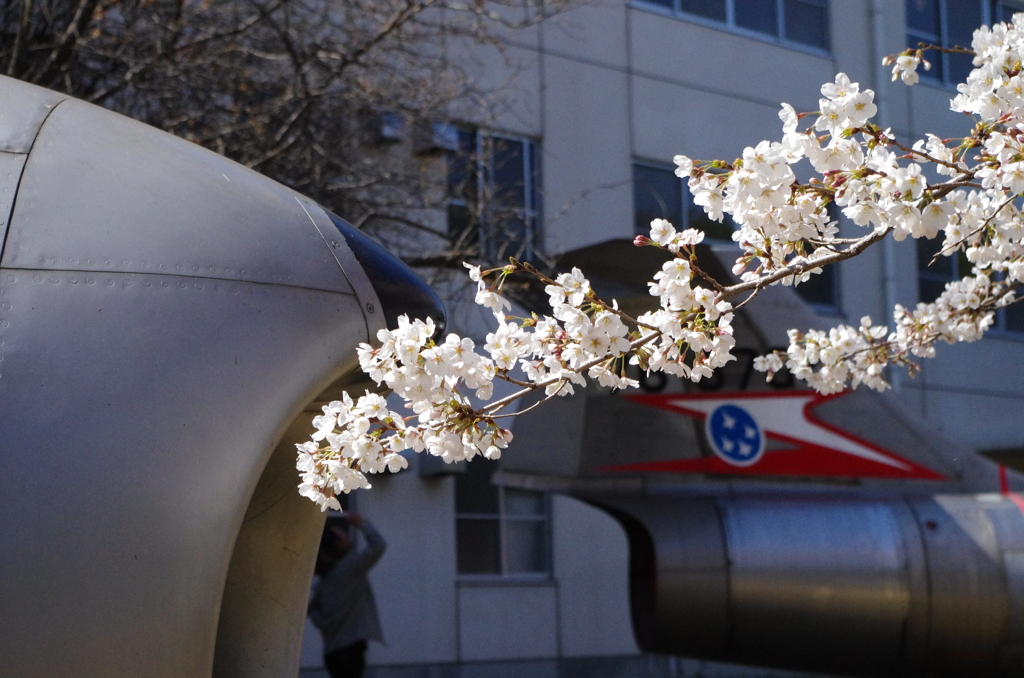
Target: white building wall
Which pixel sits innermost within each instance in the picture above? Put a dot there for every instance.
(600, 87)
(430, 616)
(508, 621)
(686, 53)
(415, 580)
(591, 565)
(593, 33)
(587, 167)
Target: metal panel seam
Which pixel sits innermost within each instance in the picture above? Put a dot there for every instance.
(373, 312)
(918, 582)
(6, 218)
(21, 175)
(730, 612)
(162, 274)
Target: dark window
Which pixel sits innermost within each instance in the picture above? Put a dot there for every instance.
(709, 9)
(932, 279)
(806, 22)
(499, 531)
(757, 15)
(951, 23)
(1011, 318)
(494, 206)
(659, 194)
(962, 17)
(803, 22)
(821, 289)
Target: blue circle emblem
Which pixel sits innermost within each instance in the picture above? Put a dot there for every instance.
(734, 435)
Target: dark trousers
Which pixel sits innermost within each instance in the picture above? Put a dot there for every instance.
(347, 662)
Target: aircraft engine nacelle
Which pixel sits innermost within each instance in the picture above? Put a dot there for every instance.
(167, 318)
(855, 586)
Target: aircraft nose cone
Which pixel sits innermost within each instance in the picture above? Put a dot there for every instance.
(400, 290)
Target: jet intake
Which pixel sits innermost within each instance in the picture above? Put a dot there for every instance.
(932, 585)
(170, 323)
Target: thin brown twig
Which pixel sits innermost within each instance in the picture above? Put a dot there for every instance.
(973, 233)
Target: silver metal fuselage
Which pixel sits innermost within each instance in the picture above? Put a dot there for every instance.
(166, 316)
(808, 568)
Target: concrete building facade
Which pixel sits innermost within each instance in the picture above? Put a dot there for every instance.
(601, 99)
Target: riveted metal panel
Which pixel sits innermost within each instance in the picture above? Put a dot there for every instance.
(136, 414)
(263, 607)
(346, 259)
(23, 108)
(691, 611)
(969, 603)
(11, 165)
(104, 193)
(1011, 651)
(690, 578)
(915, 632)
(844, 585)
(1007, 521)
(815, 583)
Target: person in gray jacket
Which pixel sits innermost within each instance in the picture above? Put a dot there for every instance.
(342, 606)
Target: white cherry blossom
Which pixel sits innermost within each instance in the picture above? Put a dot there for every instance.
(785, 234)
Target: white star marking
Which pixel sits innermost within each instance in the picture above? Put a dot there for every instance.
(784, 415)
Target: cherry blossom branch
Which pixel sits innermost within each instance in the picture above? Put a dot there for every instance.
(501, 404)
(802, 267)
(785, 233)
(956, 245)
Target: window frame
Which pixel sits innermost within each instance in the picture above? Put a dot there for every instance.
(503, 518)
(991, 12)
(832, 308)
(999, 327)
(683, 219)
(481, 161)
(729, 25)
(685, 206)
